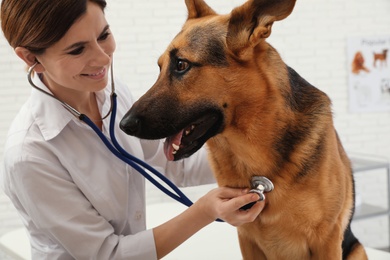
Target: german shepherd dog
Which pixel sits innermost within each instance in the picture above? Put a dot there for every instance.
(221, 82)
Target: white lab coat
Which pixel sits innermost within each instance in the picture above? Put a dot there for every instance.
(76, 199)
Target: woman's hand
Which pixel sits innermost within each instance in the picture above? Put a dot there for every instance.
(225, 203)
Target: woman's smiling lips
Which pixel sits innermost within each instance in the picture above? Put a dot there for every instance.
(98, 75)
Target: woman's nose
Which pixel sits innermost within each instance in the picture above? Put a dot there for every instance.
(100, 56)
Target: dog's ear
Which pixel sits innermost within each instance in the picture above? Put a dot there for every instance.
(252, 22)
(198, 8)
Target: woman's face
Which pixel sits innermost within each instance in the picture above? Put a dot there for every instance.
(80, 61)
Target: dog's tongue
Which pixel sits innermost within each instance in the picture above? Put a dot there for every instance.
(171, 141)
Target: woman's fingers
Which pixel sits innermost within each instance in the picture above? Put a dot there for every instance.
(227, 203)
(234, 199)
(244, 200)
(229, 193)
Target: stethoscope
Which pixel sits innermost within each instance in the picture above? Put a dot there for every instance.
(115, 148)
(260, 184)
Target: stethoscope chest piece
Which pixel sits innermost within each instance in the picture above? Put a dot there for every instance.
(261, 185)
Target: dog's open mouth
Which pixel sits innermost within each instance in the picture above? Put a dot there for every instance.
(191, 138)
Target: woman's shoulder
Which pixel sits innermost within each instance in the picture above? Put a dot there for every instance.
(23, 135)
(21, 122)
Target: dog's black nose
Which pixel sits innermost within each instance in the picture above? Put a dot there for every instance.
(131, 125)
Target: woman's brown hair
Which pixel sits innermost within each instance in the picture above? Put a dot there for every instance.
(38, 24)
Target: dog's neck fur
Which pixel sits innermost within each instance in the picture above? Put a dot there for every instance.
(265, 149)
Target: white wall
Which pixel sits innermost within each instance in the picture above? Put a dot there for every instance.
(312, 41)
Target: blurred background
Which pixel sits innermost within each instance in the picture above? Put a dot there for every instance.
(318, 40)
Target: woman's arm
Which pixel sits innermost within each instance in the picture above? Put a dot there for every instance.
(223, 203)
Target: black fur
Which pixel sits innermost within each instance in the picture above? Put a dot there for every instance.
(207, 43)
(305, 101)
(349, 242)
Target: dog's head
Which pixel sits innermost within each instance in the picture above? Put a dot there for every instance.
(199, 91)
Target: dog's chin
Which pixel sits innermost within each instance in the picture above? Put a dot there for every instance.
(190, 139)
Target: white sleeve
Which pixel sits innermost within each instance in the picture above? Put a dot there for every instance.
(62, 222)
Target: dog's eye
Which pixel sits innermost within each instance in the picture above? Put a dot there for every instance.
(182, 65)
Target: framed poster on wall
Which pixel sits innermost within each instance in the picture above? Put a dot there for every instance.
(369, 74)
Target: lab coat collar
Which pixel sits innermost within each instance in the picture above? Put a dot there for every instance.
(50, 115)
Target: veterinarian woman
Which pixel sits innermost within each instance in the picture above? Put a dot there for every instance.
(76, 198)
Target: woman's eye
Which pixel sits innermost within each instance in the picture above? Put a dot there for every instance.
(104, 36)
(77, 51)
(182, 65)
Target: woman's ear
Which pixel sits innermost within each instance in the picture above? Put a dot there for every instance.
(29, 58)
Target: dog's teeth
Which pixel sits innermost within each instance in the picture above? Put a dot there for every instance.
(176, 147)
(174, 152)
(189, 131)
